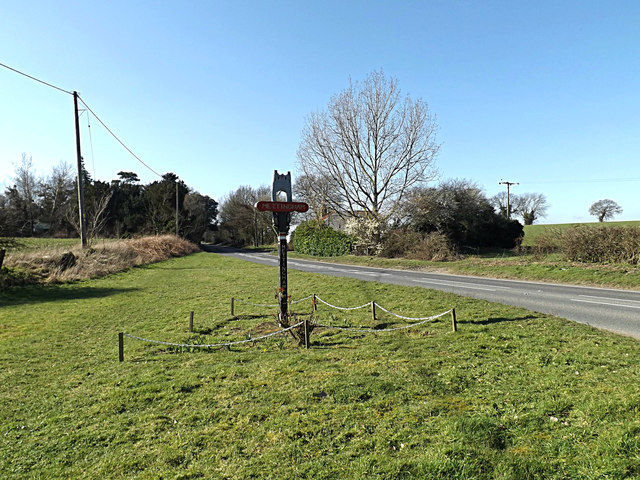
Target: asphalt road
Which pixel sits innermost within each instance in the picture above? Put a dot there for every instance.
(608, 309)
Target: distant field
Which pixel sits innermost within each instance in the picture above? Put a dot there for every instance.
(14, 244)
(513, 394)
(533, 231)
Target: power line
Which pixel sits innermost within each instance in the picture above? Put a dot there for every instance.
(88, 108)
(36, 79)
(597, 180)
(116, 137)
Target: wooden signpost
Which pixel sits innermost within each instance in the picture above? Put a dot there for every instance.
(281, 222)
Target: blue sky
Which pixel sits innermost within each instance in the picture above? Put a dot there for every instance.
(545, 93)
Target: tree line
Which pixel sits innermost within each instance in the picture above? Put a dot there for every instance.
(121, 208)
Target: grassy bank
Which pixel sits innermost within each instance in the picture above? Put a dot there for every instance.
(32, 261)
(512, 394)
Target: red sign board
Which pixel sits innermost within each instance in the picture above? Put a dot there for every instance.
(282, 206)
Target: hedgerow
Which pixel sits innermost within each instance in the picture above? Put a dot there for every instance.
(310, 238)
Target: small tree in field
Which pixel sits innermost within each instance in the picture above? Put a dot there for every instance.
(605, 209)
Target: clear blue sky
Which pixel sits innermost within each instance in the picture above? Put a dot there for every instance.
(545, 93)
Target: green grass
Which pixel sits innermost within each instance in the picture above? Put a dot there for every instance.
(16, 244)
(512, 394)
(505, 264)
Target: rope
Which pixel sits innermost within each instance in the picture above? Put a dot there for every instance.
(406, 318)
(371, 330)
(228, 344)
(302, 299)
(342, 308)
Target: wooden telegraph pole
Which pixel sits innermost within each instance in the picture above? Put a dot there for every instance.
(83, 218)
(508, 184)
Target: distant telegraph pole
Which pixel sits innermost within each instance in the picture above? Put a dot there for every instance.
(83, 218)
(508, 184)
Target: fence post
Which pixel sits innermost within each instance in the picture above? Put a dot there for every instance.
(232, 306)
(191, 322)
(373, 310)
(306, 332)
(121, 346)
(313, 303)
(454, 322)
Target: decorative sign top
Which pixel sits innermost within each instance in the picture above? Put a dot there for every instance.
(282, 206)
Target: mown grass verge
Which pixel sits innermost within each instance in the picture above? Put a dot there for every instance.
(550, 268)
(512, 394)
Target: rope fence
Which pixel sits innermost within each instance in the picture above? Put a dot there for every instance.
(121, 336)
(315, 298)
(373, 330)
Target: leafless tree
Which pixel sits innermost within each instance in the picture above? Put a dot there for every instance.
(605, 209)
(54, 193)
(96, 215)
(318, 192)
(530, 206)
(499, 202)
(240, 222)
(25, 185)
(372, 143)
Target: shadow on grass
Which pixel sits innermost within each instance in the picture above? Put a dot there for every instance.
(55, 293)
(491, 321)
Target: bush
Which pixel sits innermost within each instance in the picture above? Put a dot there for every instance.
(435, 247)
(319, 240)
(398, 242)
(602, 244)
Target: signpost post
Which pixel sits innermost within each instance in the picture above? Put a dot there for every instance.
(281, 222)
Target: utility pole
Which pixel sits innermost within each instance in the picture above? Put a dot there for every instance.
(508, 184)
(83, 218)
(177, 207)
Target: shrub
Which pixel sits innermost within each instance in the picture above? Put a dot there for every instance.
(602, 244)
(435, 247)
(547, 243)
(398, 242)
(367, 233)
(312, 238)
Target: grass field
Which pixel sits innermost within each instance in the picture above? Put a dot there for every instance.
(512, 395)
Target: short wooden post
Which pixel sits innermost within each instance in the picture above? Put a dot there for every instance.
(314, 303)
(454, 322)
(306, 332)
(121, 346)
(191, 322)
(373, 310)
(232, 306)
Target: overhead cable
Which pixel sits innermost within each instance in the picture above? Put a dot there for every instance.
(116, 137)
(36, 79)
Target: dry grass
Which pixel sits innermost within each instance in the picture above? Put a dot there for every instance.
(57, 265)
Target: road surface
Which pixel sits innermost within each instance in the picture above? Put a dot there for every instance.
(608, 309)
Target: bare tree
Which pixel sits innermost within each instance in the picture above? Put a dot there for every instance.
(240, 222)
(25, 188)
(372, 144)
(530, 206)
(54, 195)
(96, 215)
(500, 204)
(318, 192)
(605, 209)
